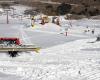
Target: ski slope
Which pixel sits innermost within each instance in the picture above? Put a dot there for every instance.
(61, 57)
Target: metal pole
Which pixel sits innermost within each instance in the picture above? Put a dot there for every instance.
(13, 12)
(7, 18)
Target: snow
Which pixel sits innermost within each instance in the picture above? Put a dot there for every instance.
(61, 57)
(1, 10)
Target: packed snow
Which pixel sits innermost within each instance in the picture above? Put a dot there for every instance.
(72, 57)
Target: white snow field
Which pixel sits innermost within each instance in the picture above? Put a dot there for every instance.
(71, 57)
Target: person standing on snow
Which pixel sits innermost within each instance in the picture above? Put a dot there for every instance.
(32, 21)
(98, 38)
(66, 31)
(92, 31)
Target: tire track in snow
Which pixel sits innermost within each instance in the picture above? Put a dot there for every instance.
(24, 37)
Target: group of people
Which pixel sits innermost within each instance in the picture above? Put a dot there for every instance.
(89, 30)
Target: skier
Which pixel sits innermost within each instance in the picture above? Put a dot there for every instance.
(98, 38)
(66, 31)
(32, 21)
(79, 72)
(92, 31)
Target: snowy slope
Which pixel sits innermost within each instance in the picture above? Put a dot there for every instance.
(61, 57)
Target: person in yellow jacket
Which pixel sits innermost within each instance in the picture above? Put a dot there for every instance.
(32, 21)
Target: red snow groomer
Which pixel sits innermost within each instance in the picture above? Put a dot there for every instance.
(13, 46)
(10, 41)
